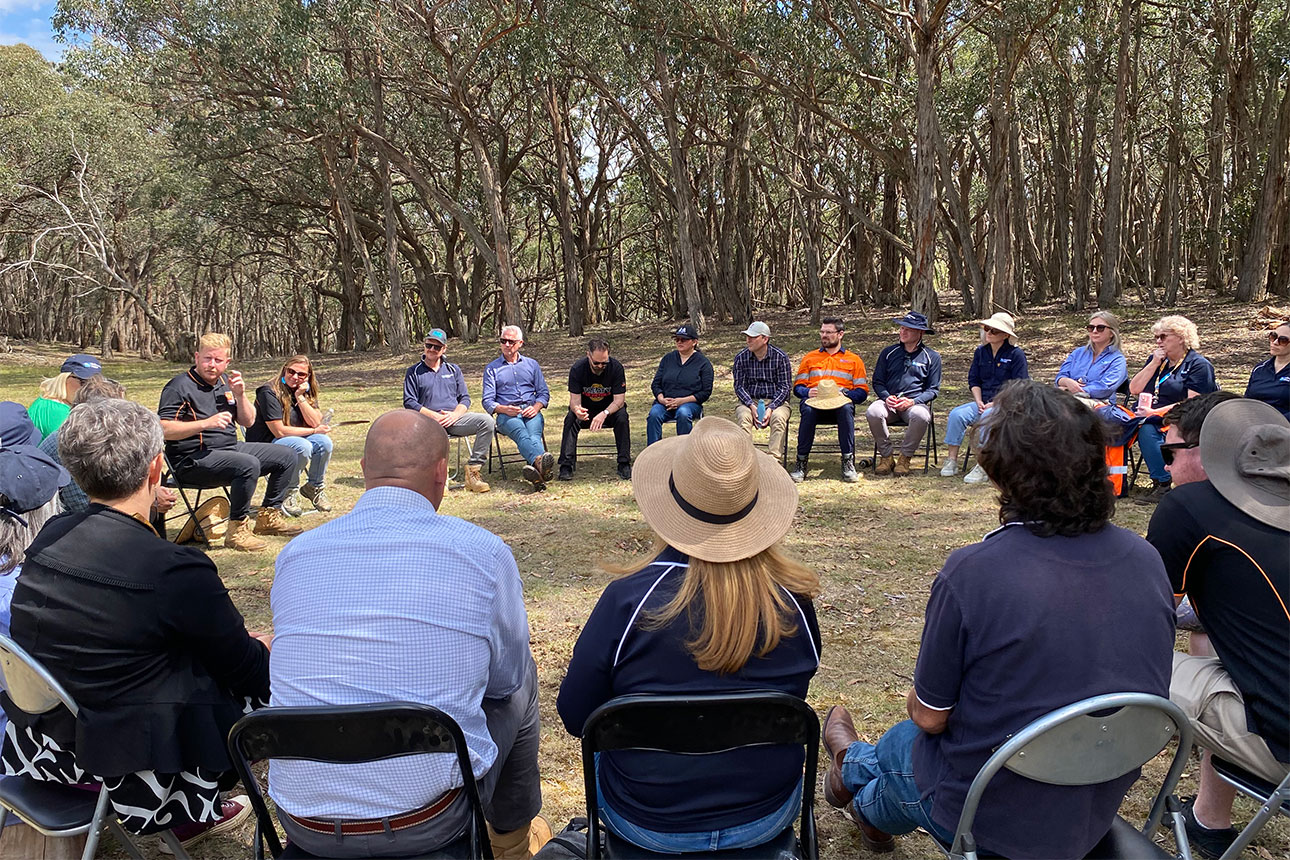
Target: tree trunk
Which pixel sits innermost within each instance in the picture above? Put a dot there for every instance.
(1258, 247)
(922, 282)
(1216, 271)
(1113, 213)
(564, 209)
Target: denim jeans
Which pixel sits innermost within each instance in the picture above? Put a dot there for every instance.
(684, 415)
(844, 416)
(960, 419)
(526, 432)
(1150, 437)
(881, 777)
(314, 452)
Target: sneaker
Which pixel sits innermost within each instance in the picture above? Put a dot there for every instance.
(546, 463)
(849, 473)
(976, 476)
(270, 521)
(317, 495)
(566, 474)
(291, 504)
(625, 471)
(950, 469)
(232, 813)
(798, 474)
(1209, 843)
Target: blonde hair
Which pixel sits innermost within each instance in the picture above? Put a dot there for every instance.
(746, 605)
(1181, 326)
(1112, 322)
(214, 340)
(55, 388)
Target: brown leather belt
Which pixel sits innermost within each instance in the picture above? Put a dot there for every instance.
(368, 826)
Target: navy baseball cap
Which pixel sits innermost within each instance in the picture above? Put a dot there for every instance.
(28, 479)
(15, 425)
(686, 331)
(81, 366)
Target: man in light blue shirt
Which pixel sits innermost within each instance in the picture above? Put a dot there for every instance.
(396, 602)
(515, 393)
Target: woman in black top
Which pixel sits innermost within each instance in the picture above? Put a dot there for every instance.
(1270, 379)
(287, 413)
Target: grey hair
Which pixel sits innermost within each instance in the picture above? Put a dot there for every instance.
(1112, 322)
(108, 445)
(15, 537)
(519, 332)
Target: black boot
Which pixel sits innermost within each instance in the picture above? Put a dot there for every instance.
(798, 473)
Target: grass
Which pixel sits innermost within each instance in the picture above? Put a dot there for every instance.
(876, 544)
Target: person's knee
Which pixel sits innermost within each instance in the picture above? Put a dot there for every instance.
(877, 410)
(323, 443)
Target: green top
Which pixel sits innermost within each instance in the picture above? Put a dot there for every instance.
(48, 415)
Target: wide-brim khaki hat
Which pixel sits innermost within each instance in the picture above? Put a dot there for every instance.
(827, 396)
(1245, 449)
(712, 495)
(1003, 321)
(213, 515)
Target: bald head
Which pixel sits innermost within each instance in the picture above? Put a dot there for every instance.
(406, 449)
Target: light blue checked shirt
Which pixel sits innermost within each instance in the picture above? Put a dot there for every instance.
(393, 602)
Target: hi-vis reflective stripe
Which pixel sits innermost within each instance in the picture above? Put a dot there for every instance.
(840, 375)
(1119, 470)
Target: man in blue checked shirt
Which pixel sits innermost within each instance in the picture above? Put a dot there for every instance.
(515, 393)
(763, 382)
(397, 602)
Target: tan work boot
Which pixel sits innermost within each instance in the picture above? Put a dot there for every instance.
(520, 844)
(884, 466)
(239, 537)
(316, 495)
(271, 521)
(474, 482)
(901, 469)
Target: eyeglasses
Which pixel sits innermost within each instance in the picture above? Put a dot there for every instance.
(988, 330)
(1097, 327)
(598, 363)
(434, 347)
(1278, 339)
(300, 373)
(1167, 450)
(508, 342)
(1163, 336)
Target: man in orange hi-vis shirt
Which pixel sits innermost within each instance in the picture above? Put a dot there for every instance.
(830, 381)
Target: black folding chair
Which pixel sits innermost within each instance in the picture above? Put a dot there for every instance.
(700, 725)
(190, 506)
(510, 456)
(1273, 799)
(931, 455)
(352, 734)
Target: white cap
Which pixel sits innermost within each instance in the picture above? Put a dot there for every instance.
(757, 329)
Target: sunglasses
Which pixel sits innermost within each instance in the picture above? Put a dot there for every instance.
(599, 364)
(1097, 327)
(1278, 339)
(1163, 336)
(508, 341)
(300, 373)
(434, 347)
(1167, 450)
(988, 330)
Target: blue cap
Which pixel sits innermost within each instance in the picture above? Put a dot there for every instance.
(28, 479)
(438, 335)
(15, 425)
(686, 331)
(82, 366)
(914, 320)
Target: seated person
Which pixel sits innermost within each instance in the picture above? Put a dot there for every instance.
(718, 508)
(1223, 538)
(996, 648)
(844, 373)
(406, 604)
(49, 410)
(994, 363)
(906, 378)
(682, 383)
(1096, 370)
(763, 383)
(597, 399)
(436, 388)
(515, 394)
(1270, 379)
(287, 414)
(141, 633)
(198, 410)
(1174, 372)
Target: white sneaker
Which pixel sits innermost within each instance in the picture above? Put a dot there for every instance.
(950, 469)
(976, 476)
(291, 504)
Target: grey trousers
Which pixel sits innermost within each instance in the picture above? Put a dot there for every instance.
(511, 790)
(480, 426)
(917, 417)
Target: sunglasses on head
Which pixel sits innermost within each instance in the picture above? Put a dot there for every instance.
(508, 341)
(1278, 339)
(1098, 327)
(1167, 450)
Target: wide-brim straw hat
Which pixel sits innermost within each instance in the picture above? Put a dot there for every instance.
(1245, 449)
(213, 515)
(1003, 321)
(827, 396)
(712, 495)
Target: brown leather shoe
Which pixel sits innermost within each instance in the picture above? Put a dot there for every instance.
(874, 839)
(884, 466)
(270, 521)
(838, 735)
(901, 469)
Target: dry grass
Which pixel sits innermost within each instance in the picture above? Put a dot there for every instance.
(876, 544)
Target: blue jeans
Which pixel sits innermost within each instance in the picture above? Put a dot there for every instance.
(526, 432)
(747, 835)
(314, 453)
(684, 415)
(960, 419)
(1150, 437)
(882, 779)
(844, 416)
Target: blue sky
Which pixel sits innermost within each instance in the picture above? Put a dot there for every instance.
(28, 21)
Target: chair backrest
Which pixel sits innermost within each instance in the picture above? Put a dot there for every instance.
(698, 725)
(1088, 742)
(29, 684)
(350, 734)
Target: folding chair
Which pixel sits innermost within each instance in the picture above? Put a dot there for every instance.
(931, 455)
(788, 433)
(352, 734)
(51, 808)
(1096, 740)
(190, 506)
(1273, 799)
(513, 456)
(699, 725)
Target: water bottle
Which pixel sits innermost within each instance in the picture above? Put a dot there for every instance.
(328, 415)
(761, 411)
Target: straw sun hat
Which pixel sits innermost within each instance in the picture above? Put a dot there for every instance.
(827, 396)
(712, 495)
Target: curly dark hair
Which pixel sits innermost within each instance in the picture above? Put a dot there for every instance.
(1046, 452)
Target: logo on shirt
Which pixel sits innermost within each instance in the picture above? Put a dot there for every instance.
(596, 391)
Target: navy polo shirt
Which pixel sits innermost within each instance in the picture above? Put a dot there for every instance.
(1017, 626)
(437, 390)
(1172, 382)
(916, 375)
(674, 379)
(1271, 386)
(188, 397)
(990, 370)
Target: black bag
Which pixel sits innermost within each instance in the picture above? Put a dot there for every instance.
(570, 843)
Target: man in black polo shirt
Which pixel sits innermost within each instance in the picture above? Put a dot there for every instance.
(597, 398)
(198, 410)
(1223, 541)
